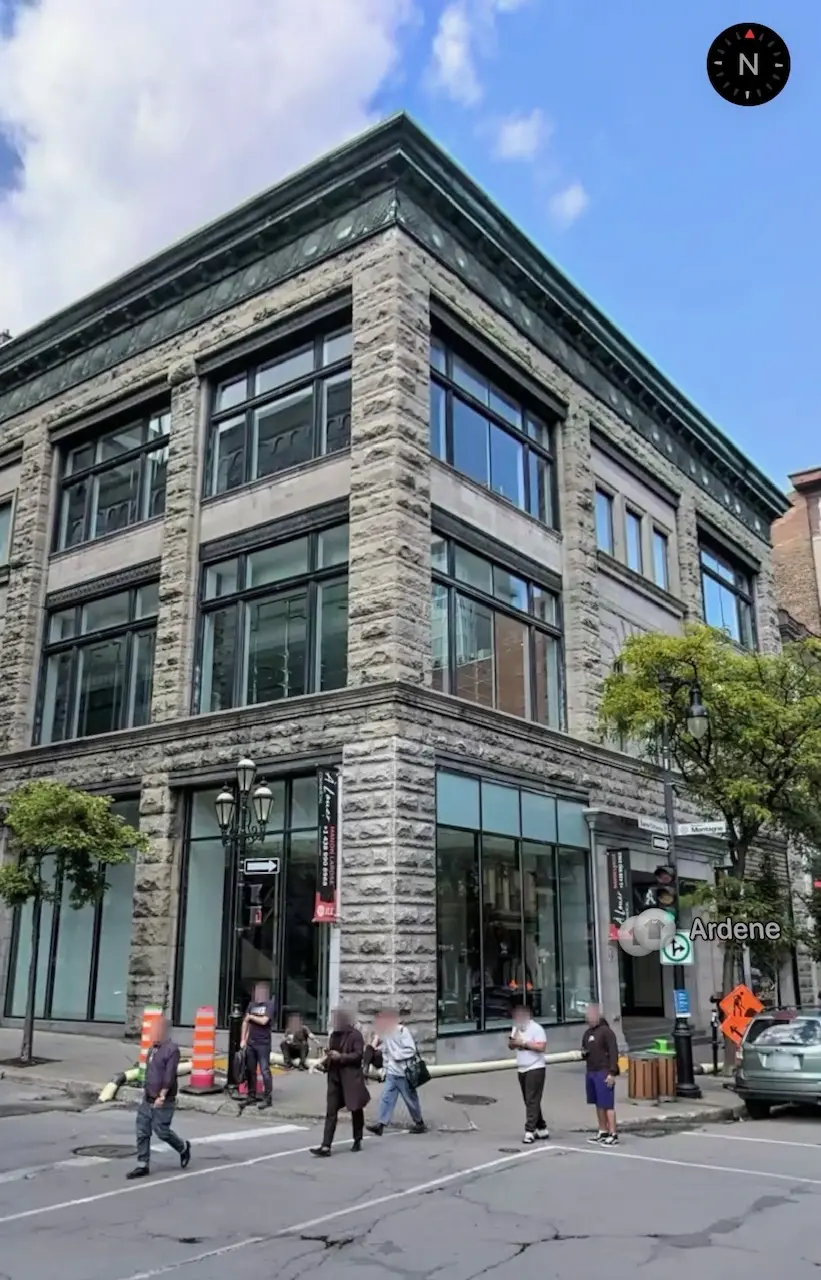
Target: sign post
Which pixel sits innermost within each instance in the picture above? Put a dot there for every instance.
(739, 1007)
(618, 883)
(679, 950)
(325, 903)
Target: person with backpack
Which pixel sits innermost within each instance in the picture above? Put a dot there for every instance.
(400, 1057)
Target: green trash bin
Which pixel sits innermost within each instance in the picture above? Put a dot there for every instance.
(665, 1056)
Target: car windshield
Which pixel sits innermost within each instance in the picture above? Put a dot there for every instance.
(798, 1031)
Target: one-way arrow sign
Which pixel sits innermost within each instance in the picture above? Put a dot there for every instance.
(260, 866)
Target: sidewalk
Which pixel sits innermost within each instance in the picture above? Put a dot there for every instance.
(490, 1101)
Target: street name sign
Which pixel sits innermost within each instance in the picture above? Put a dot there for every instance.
(701, 829)
(679, 950)
(260, 866)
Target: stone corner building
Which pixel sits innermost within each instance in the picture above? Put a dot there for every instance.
(355, 478)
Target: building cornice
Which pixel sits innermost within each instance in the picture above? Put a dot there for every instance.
(393, 175)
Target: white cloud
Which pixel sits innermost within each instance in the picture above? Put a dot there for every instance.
(136, 123)
(568, 205)
(521, 137)
(453, 69)
(465, 34)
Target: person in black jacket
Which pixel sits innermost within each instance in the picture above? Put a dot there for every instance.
(156, 1111)
(600, 1051)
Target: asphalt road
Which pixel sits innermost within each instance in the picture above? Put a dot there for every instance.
(722, 1201)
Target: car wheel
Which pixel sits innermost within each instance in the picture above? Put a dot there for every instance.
(757, 1110)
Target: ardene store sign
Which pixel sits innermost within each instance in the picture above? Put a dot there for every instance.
(734, 930)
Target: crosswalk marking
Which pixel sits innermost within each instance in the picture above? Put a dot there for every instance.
(209, 1139)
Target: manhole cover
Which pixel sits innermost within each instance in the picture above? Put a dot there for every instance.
(105, 1152)
(470, 1099)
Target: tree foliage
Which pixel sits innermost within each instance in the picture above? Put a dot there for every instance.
(49, 819)
(78, 829)
(759, 764)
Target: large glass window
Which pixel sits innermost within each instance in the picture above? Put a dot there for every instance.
(98, 665)
(275, 415)
(113, 481)
(5, 531)
(514, 908)
(491, 435)
(82, 962)
(727, 593)
(605, 539)
(496, 636)
(281, 946)
(274, 622)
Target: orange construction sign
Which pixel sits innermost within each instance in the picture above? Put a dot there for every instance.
(738, 1008)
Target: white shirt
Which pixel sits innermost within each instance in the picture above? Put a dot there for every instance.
(529, 1059)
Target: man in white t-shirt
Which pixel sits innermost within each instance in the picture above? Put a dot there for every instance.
(530, 1042)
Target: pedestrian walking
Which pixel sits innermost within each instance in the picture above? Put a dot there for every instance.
(600, 1051)
(346, 1081)
(373, 1061)
(296, 1043)
(398, 1048)
(156, 1111)
(257, 1035)
(530, 1042)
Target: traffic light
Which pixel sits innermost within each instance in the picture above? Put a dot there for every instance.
(664, 890)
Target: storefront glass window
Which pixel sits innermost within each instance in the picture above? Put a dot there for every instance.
(459, 929)
(82, 969)
(576, 925)
(501, 927)
(283, 948)
(514, 914)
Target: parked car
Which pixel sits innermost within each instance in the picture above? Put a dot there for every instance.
(779, 1061)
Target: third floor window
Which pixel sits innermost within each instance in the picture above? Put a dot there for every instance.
(727, 595)
(113, 481)
(282, 412)
(488, 434)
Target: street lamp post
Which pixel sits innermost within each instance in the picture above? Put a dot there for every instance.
(697, 725)
(242, 813)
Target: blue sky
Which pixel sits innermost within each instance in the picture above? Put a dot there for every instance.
(697, 233)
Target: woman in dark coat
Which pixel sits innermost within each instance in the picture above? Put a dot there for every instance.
(346, 1081)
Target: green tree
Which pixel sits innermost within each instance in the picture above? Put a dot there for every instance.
(84, 837)
(758, 766)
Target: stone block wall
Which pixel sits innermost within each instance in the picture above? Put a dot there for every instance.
(390, 565)
(388, 883)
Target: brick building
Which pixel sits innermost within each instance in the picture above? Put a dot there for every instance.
(796, 539)
(355, 478)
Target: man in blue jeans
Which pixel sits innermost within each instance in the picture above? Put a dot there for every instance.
(156, 1111)
(398, 1047)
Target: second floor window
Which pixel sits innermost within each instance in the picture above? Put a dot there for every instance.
(274, 622)
(113, 481)
(490, 436)
(98, 666)
(5, 531)
(727, 595)
(283, 412)
(496, 637)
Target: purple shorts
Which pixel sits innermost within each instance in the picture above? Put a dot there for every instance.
(600, 1094)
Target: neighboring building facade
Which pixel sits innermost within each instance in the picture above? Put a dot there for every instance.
(354, 478)
(796, 539)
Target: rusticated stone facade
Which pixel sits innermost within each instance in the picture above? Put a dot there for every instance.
(388, 730)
